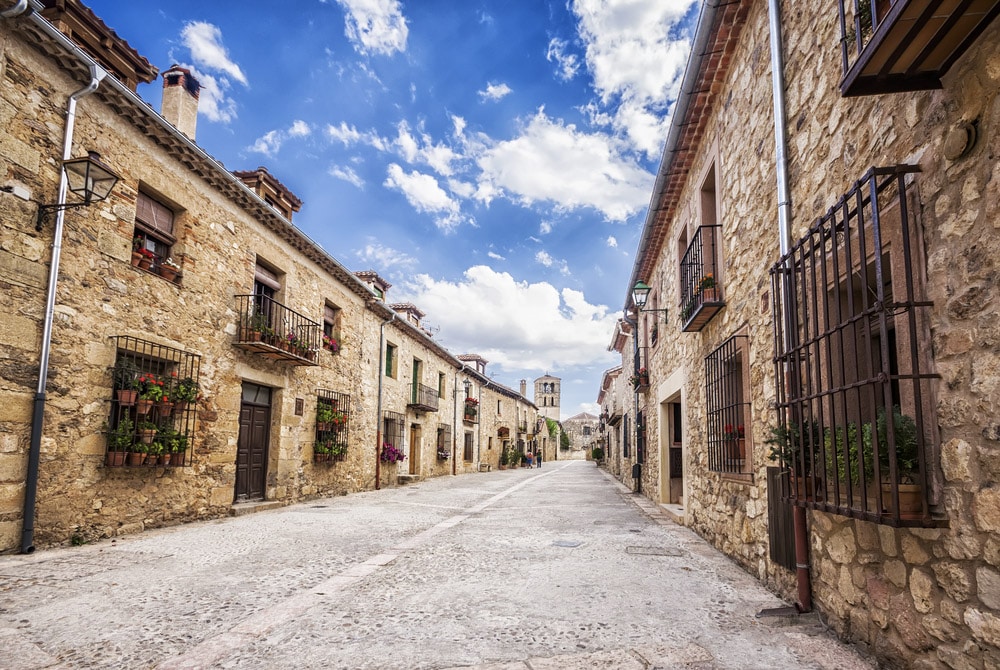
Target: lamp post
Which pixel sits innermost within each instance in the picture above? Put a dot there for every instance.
(640, 293)
(91, 180)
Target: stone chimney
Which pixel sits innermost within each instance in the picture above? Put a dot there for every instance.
(180, 99)
(524, 388)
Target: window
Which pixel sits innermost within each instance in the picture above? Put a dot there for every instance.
(154, 228)
(443, 441)
(331, 328)
(586, 431)
(392, 429)
(441, 383)
(700, 281)
(333, 413)
(153, 409)
(467, 452)
(857, 428)
(390, 360)
(728, 410)
(625, 434)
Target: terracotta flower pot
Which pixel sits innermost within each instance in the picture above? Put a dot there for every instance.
(168, 273)
(127, 397)
(142, 406)
(136, 458)
(114, 459)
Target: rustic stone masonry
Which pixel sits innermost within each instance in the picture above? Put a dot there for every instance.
(915, 597)
(223, 233)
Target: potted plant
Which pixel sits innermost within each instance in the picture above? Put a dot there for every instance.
(169, 269)
(787, 442)
(337, 450)
(442, 454)
(321, 452)
(324, 416)
(150, 392)
(255, 327)
(119, 441)
(146, 258)
(907, 457)
(137, 453)
(331, 343)
(184, 392)
(126, 381)
(390, 454)
(706, 286)
(147, 431)
(640, 378)
(735, 438)
(597, 453)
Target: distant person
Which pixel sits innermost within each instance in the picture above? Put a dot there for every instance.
(538, 459)
(529, 459)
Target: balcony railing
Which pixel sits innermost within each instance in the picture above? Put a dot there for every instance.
(701, 293)
(640, 374)
(423, 398)
(274, 331)
(522, 427)
(856, 415)
(890, 46)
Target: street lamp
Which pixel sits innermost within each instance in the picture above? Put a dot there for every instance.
(89, 178)
(468, 387)
(640, 293)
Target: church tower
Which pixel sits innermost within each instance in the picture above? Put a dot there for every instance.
(547, 396)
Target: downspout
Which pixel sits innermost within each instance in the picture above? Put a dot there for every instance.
(454, 435)
(784, 244)
(635, 393)
(16, 10)
(38, 412)
(378, 411)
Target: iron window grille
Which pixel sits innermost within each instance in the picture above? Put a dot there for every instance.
(270, 329)
(700, 291)
(467, 452)
(333, 414)
(155, 389)
(393, 425)
(443, 441)
(728, 408)
(856, 421)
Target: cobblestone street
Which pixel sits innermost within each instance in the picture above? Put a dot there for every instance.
(556, 567)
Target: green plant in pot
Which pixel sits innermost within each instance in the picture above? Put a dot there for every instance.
(324, 415)
(907, 438)
(126, 381)
(787, 442)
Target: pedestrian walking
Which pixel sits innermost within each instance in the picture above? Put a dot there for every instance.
(538, 459)
(528, 457)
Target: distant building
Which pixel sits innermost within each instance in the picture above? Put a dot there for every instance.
(547, 396)
(583, 431)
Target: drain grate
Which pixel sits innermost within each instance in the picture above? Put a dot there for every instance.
(655, 551)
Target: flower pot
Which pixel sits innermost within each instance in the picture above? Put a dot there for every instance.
(163, 459)
(146, 436)
(164, 409)
(114, 459)
(910, 500)
(136, 258)
(168, 273)
(135, 458)
(180, 406)
(142, 406)
(145, 263)
(323, 426)
(127, 397)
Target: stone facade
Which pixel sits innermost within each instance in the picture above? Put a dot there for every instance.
(922, 596)
(583, 431)
(223, 232)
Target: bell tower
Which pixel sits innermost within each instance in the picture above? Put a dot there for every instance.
(547, 396)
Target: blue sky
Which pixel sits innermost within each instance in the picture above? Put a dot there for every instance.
(492, 159)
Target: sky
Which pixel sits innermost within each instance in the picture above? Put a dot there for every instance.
(492, 159)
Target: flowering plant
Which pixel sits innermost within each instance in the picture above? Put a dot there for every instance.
(146, 253)
(295, 341)
(170, 263)
(390, 454)
(708, 281)
(442, 455)
(330, 343)
(471, 402)
(731, 434)
(151, 388)
(640, 377)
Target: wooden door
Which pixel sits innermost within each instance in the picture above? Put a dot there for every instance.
(415, 449)
(252, 444)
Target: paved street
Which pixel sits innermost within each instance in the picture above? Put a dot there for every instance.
(542, 569)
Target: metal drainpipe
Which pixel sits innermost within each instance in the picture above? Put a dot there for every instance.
(38, 412)
(454, 437)
(784, 244)
(16, 10)
(378, 411)
(635, 394)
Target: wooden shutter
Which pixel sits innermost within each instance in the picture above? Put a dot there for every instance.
(158, 218)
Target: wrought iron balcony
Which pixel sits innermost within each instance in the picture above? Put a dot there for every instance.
(890, 46)
(423, 398)
(274, 331)
(701, 293)
(640, 376)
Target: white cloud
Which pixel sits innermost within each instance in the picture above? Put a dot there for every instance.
(439, 157)
(213, 102)
(637, 59)
(425, 195)
(515, 324)
(205, 42)
(568, 64)
(347, 174)
(612, 242)
(495, 256)
(544, 258)
(544, 228)
(299, 129)
(375, 26)
(553, 162)
(270, 143)
(384, 259)
(495, 92)
(349, 136)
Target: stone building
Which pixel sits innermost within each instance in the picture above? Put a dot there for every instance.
(583, 431)
(548, 396)
(195, 354)
(817, 324)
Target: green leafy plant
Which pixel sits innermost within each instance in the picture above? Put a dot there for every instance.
(324, 412)
(185, 390)
(907, 444)
(842, 454)
(597, 453)
(126, 374)
(787, 440)
(121, 438)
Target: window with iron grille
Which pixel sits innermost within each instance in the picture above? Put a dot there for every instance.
(393, 424)
(152, 418)
(728, 408)
(443, 441)
(856, 420)
(333, 413)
